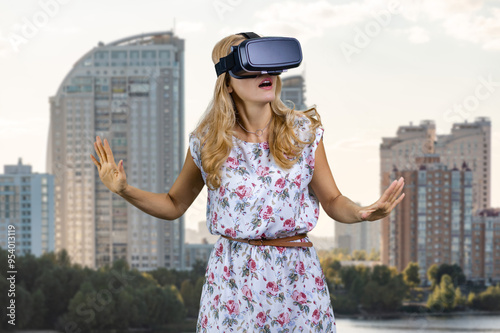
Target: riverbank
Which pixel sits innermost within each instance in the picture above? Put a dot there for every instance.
(402, 315)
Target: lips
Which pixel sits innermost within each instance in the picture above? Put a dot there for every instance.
(266, 83)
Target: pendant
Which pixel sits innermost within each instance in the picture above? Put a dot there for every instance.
(259, 131)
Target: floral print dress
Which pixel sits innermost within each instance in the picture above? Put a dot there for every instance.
(251, 288)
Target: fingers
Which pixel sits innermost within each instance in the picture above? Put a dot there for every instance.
(97, 164)
(397, 202)
(397, 190)
(100, 150)
(385, 196)
(109, 152)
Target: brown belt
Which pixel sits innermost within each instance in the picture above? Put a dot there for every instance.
(285, 241)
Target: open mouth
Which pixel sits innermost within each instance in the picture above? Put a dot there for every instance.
(266, 83)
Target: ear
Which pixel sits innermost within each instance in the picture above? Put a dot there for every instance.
(230, 88)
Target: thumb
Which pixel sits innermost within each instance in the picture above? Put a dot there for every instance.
(120, 167)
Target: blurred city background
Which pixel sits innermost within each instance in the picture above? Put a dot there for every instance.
(408, 88)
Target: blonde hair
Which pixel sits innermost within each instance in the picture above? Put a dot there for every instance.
(216, 145)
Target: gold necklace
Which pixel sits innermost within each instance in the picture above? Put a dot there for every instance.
(260, 131)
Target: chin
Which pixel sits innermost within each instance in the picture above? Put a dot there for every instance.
(269, 97)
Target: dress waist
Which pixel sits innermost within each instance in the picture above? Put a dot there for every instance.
(285, 241)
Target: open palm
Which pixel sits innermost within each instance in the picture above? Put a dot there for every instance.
(383, 206)
(112, 175)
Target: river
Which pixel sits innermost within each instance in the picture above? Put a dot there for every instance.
(472, 324)
(442, 324)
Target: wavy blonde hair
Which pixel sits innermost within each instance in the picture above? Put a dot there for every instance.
(220, 114)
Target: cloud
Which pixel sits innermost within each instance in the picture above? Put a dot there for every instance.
(63, 31)
(475, 21)
(476, 28)
(443, 9)
(310, 19)
(418, 35)
(4, 46)
(185, 27)
(415, 34)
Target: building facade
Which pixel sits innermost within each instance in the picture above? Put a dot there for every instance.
(27, 204)
(468, 143)
(486, 246)
(131, 92)
(433, 224)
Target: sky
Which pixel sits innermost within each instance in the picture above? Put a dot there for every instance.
(370, 66)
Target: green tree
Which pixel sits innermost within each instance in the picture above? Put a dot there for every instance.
(164, 276)
(187, 292)
(411, 275)
(443, 296)
(488, 300)
(176, 312)
(453, 271)
(470, 299)
(432, 275)
(39, 310)
(359, 255)
(460, 300)
(385, 290)
(374, 255)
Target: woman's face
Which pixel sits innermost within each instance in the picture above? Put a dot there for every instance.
(258, 90)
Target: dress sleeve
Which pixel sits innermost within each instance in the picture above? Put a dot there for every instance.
(317, 139)
(309, 152)
(304, 126)
(194, 148)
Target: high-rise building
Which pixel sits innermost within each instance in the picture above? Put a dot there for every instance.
(27, 205)
(293, 90)
(468, 143)
(131, 92)
(400, 152)
(486, 246)
(433, 224)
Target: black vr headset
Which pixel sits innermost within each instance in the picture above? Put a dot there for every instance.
(260, 55)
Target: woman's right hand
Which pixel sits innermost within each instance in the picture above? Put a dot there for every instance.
(112, 175)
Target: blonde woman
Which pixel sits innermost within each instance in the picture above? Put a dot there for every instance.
(266, 172)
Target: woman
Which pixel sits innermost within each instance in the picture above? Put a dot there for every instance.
(266, 171)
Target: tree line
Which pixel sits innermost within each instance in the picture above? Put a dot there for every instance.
(53, 293)
(381, 289)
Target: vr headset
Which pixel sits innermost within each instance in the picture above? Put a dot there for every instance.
(260, 55)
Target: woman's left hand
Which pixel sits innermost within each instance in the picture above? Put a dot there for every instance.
(385, 204)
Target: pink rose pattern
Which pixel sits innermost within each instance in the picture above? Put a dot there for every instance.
(263, 288)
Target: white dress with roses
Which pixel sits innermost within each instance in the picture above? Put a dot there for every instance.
(252, 288)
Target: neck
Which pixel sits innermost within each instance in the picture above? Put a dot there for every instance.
(254, 116)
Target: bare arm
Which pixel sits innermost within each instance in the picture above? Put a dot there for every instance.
(168, 206)
(341, 208)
